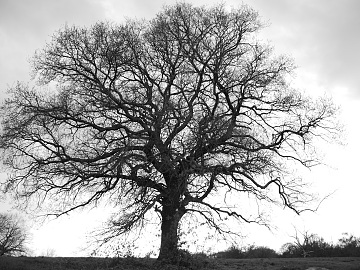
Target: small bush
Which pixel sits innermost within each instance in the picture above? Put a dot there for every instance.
(250, 252)
(231, 253)
(187, 261)
(260, 252)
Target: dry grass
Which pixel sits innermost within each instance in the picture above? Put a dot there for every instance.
(43, 263)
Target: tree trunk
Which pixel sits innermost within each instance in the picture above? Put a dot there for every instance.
(169, 233)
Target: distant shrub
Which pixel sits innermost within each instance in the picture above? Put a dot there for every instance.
(260, 252)
(231, 253)
(249, 252)
(349, 246)
(188, 261)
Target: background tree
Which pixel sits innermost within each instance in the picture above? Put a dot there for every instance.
(306, 244)
(12, 235)
(166, 115)
(300, 246)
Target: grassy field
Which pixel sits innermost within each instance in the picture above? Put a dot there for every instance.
(42, 263)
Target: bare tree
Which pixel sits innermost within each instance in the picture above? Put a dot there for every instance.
(162, 116)
(304, 244)
(12, 235)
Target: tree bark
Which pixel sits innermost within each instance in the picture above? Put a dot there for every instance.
(171, 216)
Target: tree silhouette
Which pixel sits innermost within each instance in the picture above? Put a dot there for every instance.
(12, 235)
(304, 245)
(162, 115)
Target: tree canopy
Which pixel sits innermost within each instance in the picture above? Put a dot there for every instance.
(162, 115)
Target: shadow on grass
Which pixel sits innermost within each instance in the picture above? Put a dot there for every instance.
(58, 263)
(195, 263)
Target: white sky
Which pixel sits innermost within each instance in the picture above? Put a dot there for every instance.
(323, 37)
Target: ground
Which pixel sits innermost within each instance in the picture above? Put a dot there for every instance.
(44, 263)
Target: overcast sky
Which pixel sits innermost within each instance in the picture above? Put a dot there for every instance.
(322, 36)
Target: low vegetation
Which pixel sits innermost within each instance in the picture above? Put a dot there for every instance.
(247, 253)
(315, 246)
(306, 245)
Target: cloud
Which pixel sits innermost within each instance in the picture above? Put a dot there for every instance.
(321, 35)
(40, 16)
(25, 26)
